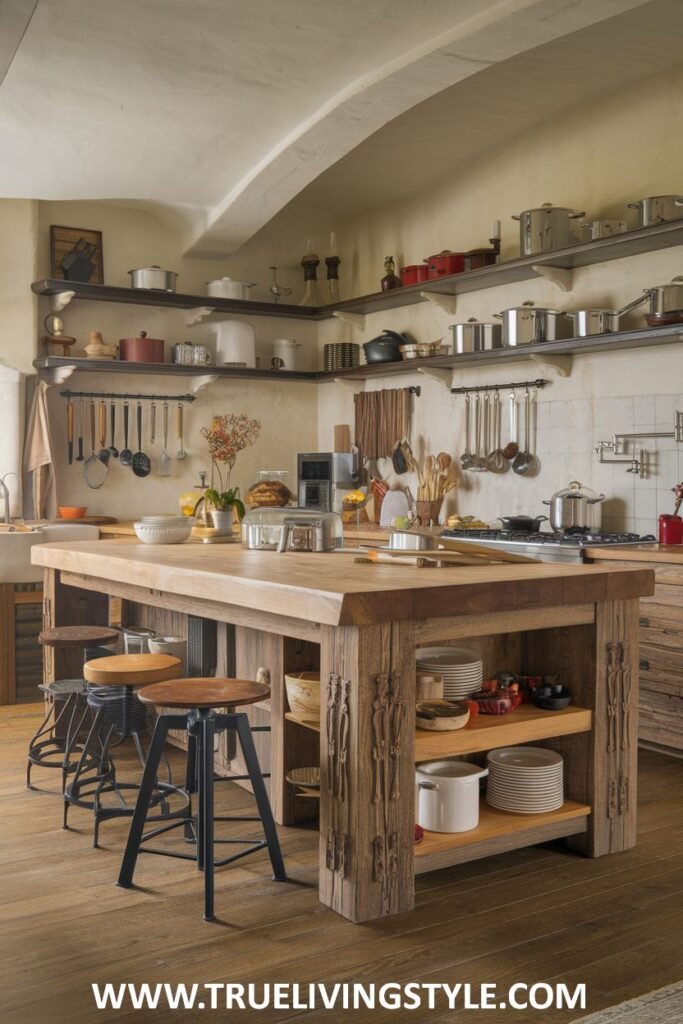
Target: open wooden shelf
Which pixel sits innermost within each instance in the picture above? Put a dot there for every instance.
(580, 254)
(525, 724)
(313, 726)
(170, 369)
(498, 832)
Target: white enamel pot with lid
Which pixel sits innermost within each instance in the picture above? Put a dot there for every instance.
(575, 507)
(447, 795)
(226, 288)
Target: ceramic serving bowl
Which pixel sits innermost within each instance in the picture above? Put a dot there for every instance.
(71, 511)
(164, 533)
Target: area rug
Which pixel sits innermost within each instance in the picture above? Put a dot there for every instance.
(664, 1006)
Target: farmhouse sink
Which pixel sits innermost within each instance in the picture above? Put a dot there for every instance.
(16, 543)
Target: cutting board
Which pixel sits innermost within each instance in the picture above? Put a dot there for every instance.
(88, 521)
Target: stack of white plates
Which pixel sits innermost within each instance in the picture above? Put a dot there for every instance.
(462, 670)
(526, 780)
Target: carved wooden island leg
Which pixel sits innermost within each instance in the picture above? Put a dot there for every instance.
(367, 767)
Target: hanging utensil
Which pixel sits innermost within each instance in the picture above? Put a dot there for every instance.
(483, 441)
(125, 455)
(113, 450)
(512, 447)
(475, 467)
(70, 431)
(535, 461)
(496, 461)
(80, 418)
(141, 462)
(165, 458)
(182, 454)
(103, 453)
(522, 461)
(94, 470)
(466, 457)
(153, 431)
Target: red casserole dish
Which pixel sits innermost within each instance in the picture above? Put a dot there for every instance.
(444, 263)
(141, 349)
(414, 274)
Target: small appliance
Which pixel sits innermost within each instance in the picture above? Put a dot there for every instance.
(324, 478)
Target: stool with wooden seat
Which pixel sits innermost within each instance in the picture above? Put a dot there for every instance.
(55, 743)
(200, 698)
(117, 716)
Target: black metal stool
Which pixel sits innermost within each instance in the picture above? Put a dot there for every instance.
(56, 742)
(200, 698)
(116, 716)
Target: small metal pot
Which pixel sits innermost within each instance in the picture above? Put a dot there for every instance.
(600, 321)
(527, 324)
(522, 524)
(226, 288)
(401, 540)
(605, 228)
(476, 337)
(545, 228)
(153, 279)
(658, 209)
(575, 507)
(666, 298)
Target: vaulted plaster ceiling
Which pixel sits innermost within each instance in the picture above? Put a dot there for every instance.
(225, 111)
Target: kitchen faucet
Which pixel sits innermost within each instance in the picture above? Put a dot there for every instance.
(4, 493)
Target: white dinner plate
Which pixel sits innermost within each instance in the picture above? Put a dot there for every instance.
(525, 757)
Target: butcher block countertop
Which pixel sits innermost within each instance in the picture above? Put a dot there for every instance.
(331, 589)
(671, 553)
(366, 533)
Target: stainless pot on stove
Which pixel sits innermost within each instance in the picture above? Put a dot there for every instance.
(546, 227)
(575, 507)
(527, 324)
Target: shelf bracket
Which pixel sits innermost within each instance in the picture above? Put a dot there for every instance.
(57, 374)
(60, 301)
(445, 302)
(197, 315)
(355, 319)
(561, 364)
(564, 279)
(198, 384)
(348, 383)
(444, 377)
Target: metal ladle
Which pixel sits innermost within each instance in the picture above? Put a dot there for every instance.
(182, 454)
(523, 463)
(141, 463)
(466, 459)
(496, 461)
(113, 450)
(94, 470)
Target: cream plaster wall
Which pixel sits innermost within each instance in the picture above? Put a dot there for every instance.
(596, 159)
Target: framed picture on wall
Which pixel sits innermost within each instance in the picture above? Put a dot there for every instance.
(76, 255)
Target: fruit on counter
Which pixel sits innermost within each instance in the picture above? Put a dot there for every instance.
(268, 493)
(455, 522)
(355, 498)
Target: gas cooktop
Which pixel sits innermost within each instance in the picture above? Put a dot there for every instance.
(547, 547)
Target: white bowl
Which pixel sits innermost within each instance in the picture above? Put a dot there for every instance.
(151, 533)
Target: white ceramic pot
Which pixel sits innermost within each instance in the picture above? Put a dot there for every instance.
(235, 343)
(285, 349)
(447, 795)
(174, 646)
(226, 288)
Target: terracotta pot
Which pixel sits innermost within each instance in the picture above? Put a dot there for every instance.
(141, 349)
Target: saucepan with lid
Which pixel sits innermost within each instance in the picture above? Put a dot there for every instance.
(546, 227)
(153, 279)
(666, 300)
(600, 321)
(226, 288)
(526, 324)
(474, 336)
(575, 507)
(658, 209)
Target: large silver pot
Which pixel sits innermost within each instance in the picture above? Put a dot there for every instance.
(666, 298)
(575, 507)
(153, 279)
(600, 321)
(657, 209)
(402, 540)
(226, 288)
(605, 228)
(474, 336)
(291, 529)
(546, 227)
(527, 324)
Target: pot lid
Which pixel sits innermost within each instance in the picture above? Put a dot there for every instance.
(141, 270)
(547, 208)
(576, 491)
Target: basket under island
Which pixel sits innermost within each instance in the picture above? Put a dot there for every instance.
(248, 611)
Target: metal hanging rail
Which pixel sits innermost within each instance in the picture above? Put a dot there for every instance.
(538, 383)
(126, 395)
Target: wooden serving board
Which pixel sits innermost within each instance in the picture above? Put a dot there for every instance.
(87, 521)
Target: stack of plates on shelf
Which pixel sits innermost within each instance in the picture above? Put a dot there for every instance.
(462, 670)
(526, 780)
(341, 355)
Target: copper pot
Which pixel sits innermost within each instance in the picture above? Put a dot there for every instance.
(141, 349)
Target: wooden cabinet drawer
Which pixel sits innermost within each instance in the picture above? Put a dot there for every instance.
(661, 633)
(665, 595)
(660, 664)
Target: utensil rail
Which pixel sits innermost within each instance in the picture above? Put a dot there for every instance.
(540, 382)
(127, 395)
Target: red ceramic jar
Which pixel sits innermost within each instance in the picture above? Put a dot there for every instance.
(414, 274)
(670, 530)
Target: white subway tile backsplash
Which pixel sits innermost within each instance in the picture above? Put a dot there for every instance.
(664, 411)
(645, 506)
(644, 409)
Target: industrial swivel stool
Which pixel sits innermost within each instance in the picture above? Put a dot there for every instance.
(117, 716)
(56, 742)
(200, 698)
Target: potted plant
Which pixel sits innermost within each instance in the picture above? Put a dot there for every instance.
(221, 505)
(227, 436)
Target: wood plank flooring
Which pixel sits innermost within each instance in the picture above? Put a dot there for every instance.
(540, 914)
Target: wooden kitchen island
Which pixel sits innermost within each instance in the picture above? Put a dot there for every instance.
(360, 625)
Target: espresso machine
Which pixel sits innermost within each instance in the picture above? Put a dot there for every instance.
(324, 478)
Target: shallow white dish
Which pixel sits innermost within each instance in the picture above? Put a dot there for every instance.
(151, 533)
(525, 757)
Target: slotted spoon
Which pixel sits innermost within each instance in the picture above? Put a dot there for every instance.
(182, 454)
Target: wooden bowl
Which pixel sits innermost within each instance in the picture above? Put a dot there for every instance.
(71, 511)
(303, 695)
(456, 721)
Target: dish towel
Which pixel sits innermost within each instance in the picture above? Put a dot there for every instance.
(38, 456)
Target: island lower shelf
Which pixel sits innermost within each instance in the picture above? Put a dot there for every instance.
(526, 724)
(499, 832)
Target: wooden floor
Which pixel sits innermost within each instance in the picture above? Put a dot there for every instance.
(541, 914)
